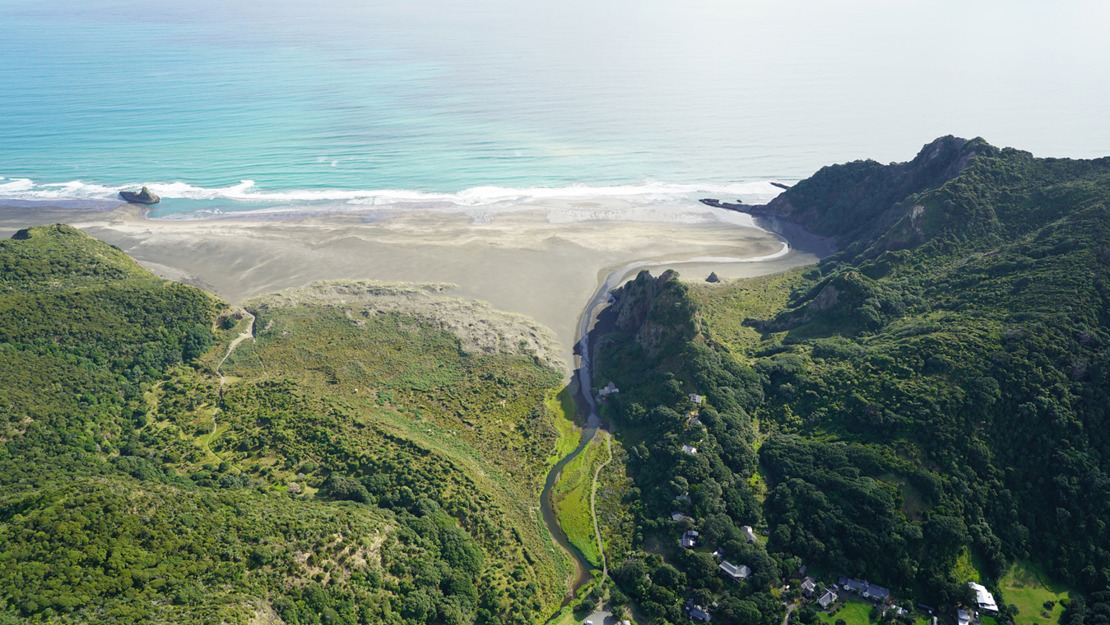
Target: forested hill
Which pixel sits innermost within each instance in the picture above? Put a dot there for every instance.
(956, 192)
(859, 200)
(348, 466)
(927, 406)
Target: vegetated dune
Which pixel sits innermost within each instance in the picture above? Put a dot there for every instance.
(480, 328)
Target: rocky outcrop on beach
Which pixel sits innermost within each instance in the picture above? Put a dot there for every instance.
(655, 311)
(146, 196)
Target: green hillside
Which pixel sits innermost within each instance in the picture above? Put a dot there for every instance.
(939, 386)
(349, 469)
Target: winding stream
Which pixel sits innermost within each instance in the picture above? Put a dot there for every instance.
(584, 397)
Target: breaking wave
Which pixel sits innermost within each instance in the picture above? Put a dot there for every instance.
(247, 192)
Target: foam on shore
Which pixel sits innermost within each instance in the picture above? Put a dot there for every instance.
(186, 201)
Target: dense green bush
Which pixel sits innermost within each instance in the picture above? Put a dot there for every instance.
(135, 487)
(939, 385)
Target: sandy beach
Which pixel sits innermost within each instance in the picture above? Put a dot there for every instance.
(542, 261)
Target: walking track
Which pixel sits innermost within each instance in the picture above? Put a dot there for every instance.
(247, 334)
(593, 510)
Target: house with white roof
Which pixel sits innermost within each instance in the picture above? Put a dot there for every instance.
(984, 598)
(738, 573)
(749, 533)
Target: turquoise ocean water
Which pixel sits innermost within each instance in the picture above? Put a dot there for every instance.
(224, 107)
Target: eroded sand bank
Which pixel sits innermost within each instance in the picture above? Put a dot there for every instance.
(528, 260)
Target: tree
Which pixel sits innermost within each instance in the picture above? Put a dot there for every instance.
(735, 611)
(197, 341)
(346, 489)
(418, 606)
(668, 577)
(459, 550)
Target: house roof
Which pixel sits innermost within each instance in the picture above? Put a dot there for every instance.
(734, 571)
(865, 588)
(827, 598)
(983, 597)
(749, 532)
(697, 612)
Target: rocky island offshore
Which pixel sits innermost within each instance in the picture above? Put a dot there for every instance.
(146, 196)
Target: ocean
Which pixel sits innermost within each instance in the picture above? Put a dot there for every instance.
(336, 105)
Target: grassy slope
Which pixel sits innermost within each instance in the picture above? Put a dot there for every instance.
(1023, 588)
(562, 409)
(108, 446)
(474, 427)
(726, 306)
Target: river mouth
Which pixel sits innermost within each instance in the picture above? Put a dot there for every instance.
(582, 385)
(582, 382)
(582, 378)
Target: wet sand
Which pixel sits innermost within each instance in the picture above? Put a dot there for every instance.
(529, 260)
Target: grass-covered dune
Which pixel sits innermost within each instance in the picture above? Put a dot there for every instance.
(344, 464)
(932, 397)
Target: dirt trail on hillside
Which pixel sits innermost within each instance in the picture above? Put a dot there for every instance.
(247, 334)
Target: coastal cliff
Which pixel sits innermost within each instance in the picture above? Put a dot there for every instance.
(853, 200)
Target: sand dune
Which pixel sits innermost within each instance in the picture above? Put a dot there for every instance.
(519, 261)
